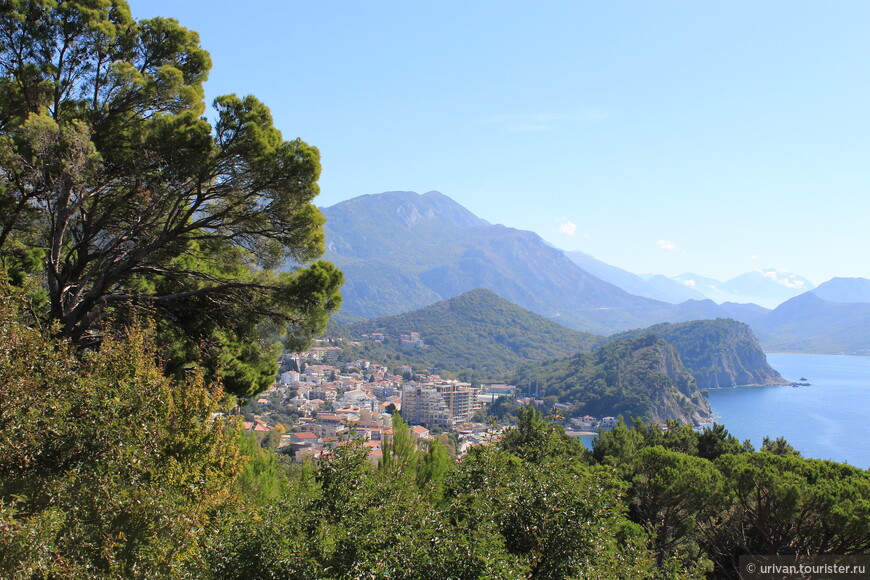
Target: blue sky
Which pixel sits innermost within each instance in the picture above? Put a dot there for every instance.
(661, 137)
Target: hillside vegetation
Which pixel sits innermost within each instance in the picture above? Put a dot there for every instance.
(109, 470)
(641, 377)
(477, 331)
(718, 353)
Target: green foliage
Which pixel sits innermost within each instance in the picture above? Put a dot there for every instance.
(718, 353)
(785, 504)
(110, 469)
(677, 497)
(534, 438)
(107, 468)
(477, 335)
(504, 410)
(618, 445)
(261, 478)
(434, 468)
(640, 377)
(778, 446)
(132, 202)
(557, 518)
(716, 441)
(401, 453)
(700, 512)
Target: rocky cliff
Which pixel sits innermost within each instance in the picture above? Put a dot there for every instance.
(633, 377)
(718, 353)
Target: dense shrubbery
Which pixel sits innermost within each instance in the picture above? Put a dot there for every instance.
(108, 469)
(705, 498)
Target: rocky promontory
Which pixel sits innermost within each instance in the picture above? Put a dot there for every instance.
(634, 377)
(718, 353)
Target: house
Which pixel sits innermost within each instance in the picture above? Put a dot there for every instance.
(499, 390)
(608, 422)
(421, 432)
(305, 438)
(289, 377)
(256, 426)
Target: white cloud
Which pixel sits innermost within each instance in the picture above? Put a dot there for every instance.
(689, 283)
(666, 245)
(567, 227)
(784, 278)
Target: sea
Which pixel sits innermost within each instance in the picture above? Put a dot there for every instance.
(829, 419)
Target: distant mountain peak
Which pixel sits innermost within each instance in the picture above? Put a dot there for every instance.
(852, 290)
(405, 209)
(402, 250)
(786, 279)
(767, 287)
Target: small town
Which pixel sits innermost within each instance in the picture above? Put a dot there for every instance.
(319, 404)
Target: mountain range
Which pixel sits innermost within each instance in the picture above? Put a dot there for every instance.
(766, 287)
(657, 287)
(654, 373)
(402, 251)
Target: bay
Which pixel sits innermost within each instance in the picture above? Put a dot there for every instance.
(830, 419)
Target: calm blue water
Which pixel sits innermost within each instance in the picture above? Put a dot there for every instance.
(828, 420)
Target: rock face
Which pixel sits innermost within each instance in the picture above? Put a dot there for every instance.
(718, 353)
(634, 377)
(677, 398)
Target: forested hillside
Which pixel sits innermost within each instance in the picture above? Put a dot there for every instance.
(477, 331)
(641, 377)
(718, 353)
